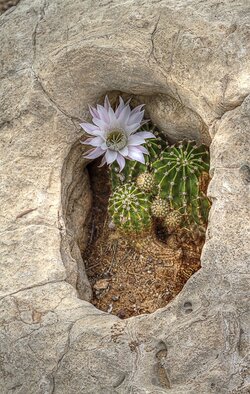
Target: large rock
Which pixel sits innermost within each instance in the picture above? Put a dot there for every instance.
(190, 61)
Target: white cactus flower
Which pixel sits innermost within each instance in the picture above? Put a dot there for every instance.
(113, 133)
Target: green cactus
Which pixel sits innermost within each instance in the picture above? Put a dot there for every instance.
(130, 208)
(177, 174)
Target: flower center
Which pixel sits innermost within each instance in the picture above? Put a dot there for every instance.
(116, 139)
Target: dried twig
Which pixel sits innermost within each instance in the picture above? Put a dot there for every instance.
(114, 247)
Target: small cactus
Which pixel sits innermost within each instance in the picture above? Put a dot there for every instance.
(172, 221)
(130, 209)
(159, 208)
(177, 174)
(146, 182)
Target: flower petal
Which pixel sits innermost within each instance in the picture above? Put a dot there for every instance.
(103, 114)
(93, 153)
(106, 103)
(112, 119)
(93, 112)
(131, 129)
(104, 146)
(124, 115)
(143, 149)
(120, 107)
(121, 161)
(89, 128)
(124, 151)
(145, 134)
(87, 141)
(96, 141)
(100, 123)
(135, 139)
(110, 156)
(135, 154)
(135, 118)
(103, 161)
(137, 109)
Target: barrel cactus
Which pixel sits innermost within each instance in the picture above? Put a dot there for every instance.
(129, 208)
(177, 174)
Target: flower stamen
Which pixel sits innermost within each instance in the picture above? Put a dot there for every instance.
(116, 139)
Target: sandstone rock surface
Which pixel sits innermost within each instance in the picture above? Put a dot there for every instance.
(191, 57)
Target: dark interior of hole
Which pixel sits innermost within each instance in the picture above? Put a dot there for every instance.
(128, 280)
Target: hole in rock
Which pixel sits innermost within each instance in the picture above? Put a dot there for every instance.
(187, 304)
(138, 263)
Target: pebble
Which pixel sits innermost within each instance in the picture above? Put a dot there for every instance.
(111, 225)
(101, 284)
(121, 313)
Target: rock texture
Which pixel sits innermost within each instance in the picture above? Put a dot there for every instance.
(192, 57)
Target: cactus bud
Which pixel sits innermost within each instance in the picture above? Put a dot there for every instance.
(159, 208)
(146, 182)
(172, 221)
